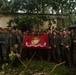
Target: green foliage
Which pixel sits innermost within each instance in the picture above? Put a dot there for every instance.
(1, 3)
(11, 57)
(36, 66)
(38, 6)
(28, 22)
(63, 22)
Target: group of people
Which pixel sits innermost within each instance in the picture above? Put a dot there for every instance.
(62, 44)
(10, 43)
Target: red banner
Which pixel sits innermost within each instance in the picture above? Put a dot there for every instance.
(36, 41)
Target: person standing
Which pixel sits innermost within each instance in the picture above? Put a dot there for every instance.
(66, 44)
(1, 41)
(12, 39)
(55, 42)
(20, 40)
(5, 46)
(74, 49)
(9, 28)
(61, 50)
(49, 49)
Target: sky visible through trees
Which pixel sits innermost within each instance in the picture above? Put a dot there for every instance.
(38, 6)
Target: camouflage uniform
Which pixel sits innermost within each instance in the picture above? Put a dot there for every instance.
(55, 42)
(5, 47)
(15, 39)
(66, 41)
(1, 57)
(49, 50)
(19, 37)
(74, 49)
(61, 50)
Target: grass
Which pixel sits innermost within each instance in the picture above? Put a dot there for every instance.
(36, 66)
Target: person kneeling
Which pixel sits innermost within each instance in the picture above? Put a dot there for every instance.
(15, 56)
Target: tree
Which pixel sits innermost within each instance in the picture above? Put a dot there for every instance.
(28, 22)
(38, 6)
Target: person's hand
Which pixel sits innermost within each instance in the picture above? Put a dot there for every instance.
(74, 41)
(18, 55)
(49, 47)
(3, 42)
(54, 45)
(67, 46)
(61, 43)
(12, 52)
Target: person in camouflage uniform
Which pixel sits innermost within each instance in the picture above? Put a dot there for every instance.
(55, 42)
(49, 39)
(12, 39)
(16, 56)
(74, 49)
(5, 39)
(66, 44)
(15, 38)
(61, 50)
(20, 40)
(9, 28)
(1, 57)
